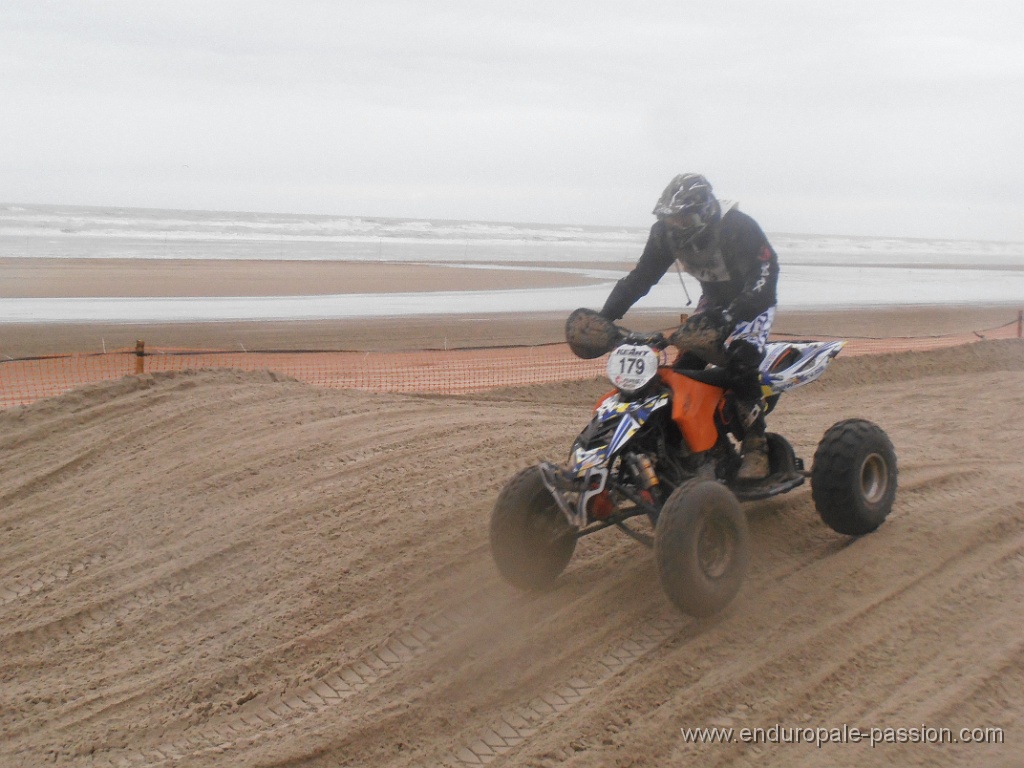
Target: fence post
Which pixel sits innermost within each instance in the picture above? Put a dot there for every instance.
(1020, 323)
(140, 357)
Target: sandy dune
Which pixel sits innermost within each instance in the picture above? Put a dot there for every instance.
(225, 569)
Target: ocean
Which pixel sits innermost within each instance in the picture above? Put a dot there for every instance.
(818, 271)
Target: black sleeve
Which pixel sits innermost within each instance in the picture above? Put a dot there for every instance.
(760, 269)
(653, 263)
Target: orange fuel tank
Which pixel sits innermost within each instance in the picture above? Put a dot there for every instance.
(693, 409)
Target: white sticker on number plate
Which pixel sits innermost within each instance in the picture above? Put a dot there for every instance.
(631, 366)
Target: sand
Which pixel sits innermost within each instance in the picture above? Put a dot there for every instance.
(125, 277)
(228, 569)
(33, 278)
(454, 331)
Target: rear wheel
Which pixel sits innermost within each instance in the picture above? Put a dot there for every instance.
(853, 480)
(531, 541)
(702, 547)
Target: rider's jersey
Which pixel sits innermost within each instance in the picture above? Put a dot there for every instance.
(736, 266)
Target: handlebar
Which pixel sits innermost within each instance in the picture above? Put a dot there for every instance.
(708, 347)
(656, 339)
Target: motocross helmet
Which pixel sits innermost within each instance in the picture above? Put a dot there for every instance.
(688, 204)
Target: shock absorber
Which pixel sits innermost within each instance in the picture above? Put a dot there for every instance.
(643, 468)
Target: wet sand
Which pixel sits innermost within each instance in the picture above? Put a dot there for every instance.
(135, 277)
(64, 278)
(457, 331)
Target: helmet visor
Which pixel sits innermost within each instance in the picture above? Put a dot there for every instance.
(684, 221)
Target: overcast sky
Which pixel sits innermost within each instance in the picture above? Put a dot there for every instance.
(860, 117)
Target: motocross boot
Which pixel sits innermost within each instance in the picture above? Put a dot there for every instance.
(755, 459)
(754, 449)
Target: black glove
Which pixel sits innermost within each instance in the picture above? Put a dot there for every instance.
(703, 333)
(590, 334)
(710, 320)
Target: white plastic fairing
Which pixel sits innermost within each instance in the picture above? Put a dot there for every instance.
(792, 364)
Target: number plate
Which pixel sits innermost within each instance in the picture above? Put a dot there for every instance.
(630, 366)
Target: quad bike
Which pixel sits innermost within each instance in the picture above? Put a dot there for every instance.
(664, 446)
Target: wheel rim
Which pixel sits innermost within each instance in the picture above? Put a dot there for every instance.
(715, 547)
(874, 478)
(545, 529)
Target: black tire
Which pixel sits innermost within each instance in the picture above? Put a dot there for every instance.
(702, 547)
(853, 480)
(531, 541)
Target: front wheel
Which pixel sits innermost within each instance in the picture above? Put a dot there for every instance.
(531, 541)
(853, 480)
(702, 547)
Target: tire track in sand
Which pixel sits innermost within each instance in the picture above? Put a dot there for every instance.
(58, 575)
(825, 659)
(515, 726)
(264, 715)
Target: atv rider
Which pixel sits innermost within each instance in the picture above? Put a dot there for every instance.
(738, 270)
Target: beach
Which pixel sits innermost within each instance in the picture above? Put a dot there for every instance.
(220, 567)
(297, 466)
(64, 278)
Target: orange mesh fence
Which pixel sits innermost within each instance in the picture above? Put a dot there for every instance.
(448, 372)
(451, 372)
